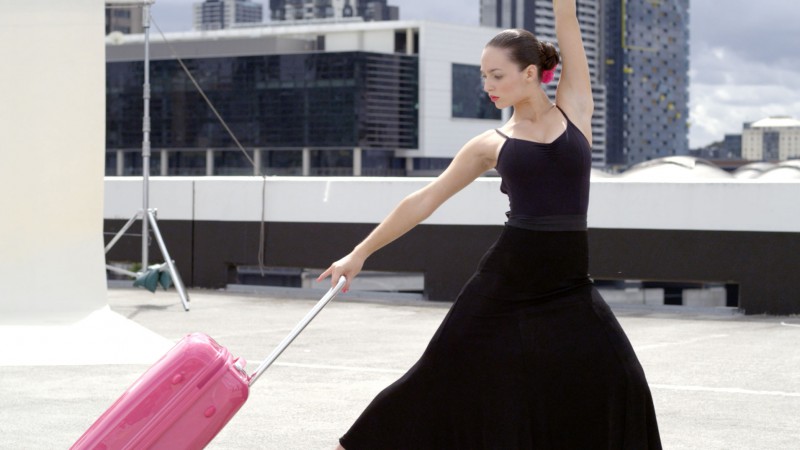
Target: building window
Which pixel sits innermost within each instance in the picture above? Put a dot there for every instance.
(469, 100)
(325, 100)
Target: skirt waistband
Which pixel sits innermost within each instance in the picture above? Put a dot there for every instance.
(575, 222)
(533, 264)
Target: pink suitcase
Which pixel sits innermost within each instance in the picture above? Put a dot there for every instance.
(185, 398)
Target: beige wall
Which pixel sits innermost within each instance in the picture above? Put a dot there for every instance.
(52, 132)
(752, 144)
(788, 146)
(790, 143)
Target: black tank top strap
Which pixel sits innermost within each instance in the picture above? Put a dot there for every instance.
(563, 113)
(501, 133)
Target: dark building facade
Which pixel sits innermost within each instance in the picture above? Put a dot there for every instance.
(646, 74)
(330, 103)
(732, 146)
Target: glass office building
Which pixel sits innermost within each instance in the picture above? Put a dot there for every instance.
(334, 105)
(381, 98)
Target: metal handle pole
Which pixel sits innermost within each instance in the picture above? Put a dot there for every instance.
(146, 134)
(297, 330)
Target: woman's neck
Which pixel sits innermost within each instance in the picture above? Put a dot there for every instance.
(533, 108)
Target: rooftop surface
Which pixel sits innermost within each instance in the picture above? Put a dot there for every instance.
(719, 381)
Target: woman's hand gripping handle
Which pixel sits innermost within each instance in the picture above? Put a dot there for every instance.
(348, 267)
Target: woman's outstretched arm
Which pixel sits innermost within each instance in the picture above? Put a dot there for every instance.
(475, 158)
(574, 93)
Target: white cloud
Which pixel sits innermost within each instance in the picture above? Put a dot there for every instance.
(174, 15)
(465, 12)
(720, 109)
(729, 88)
(744, 65)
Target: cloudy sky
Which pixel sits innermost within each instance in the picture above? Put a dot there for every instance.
(745, 55)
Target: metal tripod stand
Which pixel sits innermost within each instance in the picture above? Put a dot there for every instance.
(147, 214)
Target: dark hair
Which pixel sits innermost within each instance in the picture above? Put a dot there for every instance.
(525, 49)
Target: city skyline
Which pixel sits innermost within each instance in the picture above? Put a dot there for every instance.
(741, 65)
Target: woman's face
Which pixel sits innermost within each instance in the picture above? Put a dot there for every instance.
(502, 79)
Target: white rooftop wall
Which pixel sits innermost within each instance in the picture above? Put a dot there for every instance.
(380, 41)
(723, 205)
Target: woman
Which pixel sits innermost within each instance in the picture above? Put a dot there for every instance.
(529, 356)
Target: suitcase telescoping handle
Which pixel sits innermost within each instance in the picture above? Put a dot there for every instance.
(297, 329)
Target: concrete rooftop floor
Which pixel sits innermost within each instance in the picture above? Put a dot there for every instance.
(719, 381)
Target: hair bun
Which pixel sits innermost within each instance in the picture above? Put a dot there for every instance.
(549, 55)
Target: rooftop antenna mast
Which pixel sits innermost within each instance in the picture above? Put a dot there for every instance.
(146, 214)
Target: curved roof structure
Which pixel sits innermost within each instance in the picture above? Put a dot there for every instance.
(787, 170)
(776, 122)
(752, 170)
(672, 167)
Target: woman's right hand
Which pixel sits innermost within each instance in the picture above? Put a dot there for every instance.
(349, 267)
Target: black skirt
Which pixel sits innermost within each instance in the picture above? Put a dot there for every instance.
(528, 357)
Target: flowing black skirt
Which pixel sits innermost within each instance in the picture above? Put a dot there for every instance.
(528, 357)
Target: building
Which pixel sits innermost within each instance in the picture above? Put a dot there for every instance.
(647, 79)
(771, 139)
(124, 19)
(537, 17)
(222, 14)
(367, 10)
(732, 146)
(349, 98)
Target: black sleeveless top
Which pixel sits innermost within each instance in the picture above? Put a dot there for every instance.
(547, 183)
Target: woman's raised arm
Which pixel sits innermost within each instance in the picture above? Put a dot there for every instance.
(574, 93)
(475, 158)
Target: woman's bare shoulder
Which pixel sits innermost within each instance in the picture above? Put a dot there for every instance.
(486, 143)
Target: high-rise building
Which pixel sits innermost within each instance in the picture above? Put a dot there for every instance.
(125, 19)
(368, 10)
(221, 14)
(537, 17)
(647, 79)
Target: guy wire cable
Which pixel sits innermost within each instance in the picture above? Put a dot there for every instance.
(262, 233)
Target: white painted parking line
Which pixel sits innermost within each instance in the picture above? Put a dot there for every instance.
(724, 390)
(790, 324)
(684, 342)
(671, 387)
(349, 368)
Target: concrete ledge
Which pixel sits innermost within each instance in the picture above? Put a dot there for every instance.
(740, 232)
(103, 337)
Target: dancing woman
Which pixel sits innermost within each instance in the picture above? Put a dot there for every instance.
(529, 355)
